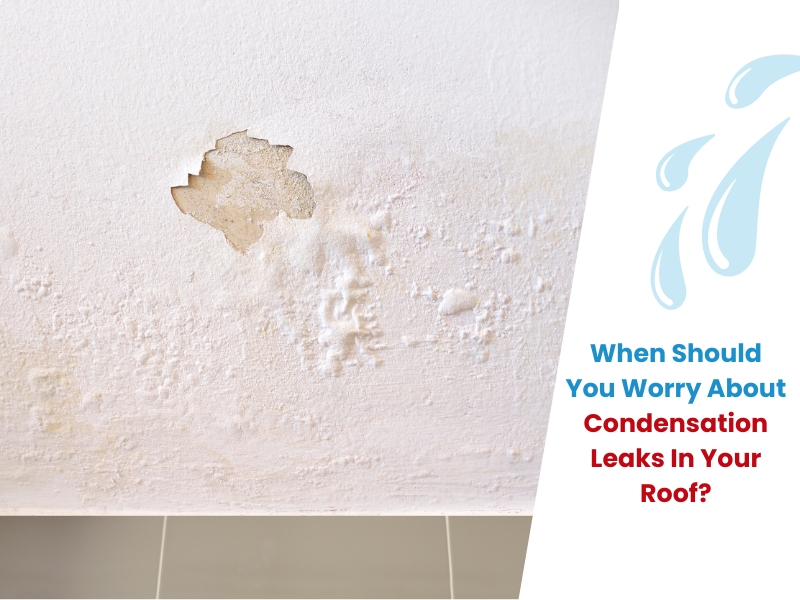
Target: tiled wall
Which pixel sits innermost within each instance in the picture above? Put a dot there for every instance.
(271, 557)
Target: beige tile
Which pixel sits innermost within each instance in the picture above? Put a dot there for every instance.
(79, 557)
(305, 557)
(488, 555)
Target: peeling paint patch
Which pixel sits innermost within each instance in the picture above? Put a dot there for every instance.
(243, 183)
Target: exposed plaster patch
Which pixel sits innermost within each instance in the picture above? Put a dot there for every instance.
(243, 183)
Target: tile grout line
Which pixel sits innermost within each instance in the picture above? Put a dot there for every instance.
(449, 556)
(161, 557)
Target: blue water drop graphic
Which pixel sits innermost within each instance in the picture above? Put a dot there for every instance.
(673, 170)
(731, 221)
(756, 76)
(666, 277)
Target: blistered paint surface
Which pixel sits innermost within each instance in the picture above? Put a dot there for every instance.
(392, 351)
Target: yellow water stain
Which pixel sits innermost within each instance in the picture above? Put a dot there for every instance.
(38, 381)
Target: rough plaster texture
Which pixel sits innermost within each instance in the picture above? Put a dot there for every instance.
(393, 353)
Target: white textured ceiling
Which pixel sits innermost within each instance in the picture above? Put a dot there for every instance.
(394, 353)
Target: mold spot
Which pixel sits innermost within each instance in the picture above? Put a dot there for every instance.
(242, 184)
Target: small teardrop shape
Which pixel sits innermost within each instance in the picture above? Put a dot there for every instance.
(673, 170)
(730, 224)
(756, 76)
(666, 276)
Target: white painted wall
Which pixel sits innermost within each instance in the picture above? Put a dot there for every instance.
(147, 366)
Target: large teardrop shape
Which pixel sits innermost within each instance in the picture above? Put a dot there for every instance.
(730, 224)
(666, 276)
(756, 76)
(673, 170)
